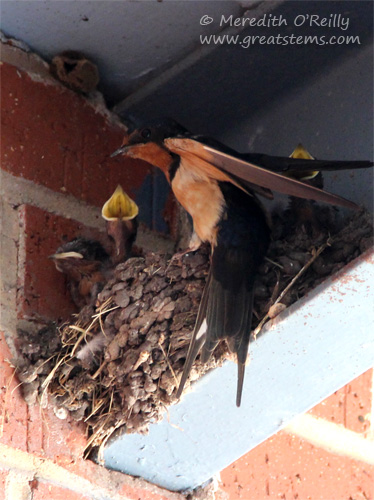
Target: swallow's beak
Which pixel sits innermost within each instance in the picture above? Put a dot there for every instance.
(301, 153)
(120, 151)
(65, 255)
(119, 206)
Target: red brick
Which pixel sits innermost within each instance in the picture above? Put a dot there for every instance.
(34, 429)
(45, 491)
(351, 405)
(42, 289)
(116, 482)
(287, 467)
(54, 137)
(3, 476)
(139, 494)
(13, 409)
(60, 440)
(40, 432)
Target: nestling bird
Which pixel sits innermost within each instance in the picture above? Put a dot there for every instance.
(120, 213)
(218, 186)
(305, 213)
(301, 153)
(86, 264)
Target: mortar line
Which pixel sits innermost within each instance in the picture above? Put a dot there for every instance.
(333, 438)
(371, 432)
(46, 470)
(19, 191)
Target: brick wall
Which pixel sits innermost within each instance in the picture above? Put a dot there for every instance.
(327, 454)
(56, 173)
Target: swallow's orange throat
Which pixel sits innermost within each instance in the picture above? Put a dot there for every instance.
(152, 153)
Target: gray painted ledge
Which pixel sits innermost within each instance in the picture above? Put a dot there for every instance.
(312, 349)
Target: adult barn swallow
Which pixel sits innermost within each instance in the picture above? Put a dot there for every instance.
(218, 186)
(85, 263)
(120, 213)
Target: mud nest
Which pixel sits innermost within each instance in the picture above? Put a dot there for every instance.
(123, 366)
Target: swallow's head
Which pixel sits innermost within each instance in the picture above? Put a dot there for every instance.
(78, 254)
(147, 143)
(302, 154)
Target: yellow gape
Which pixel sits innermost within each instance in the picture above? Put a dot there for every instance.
(119, 206)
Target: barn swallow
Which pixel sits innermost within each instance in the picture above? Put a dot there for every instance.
(120, 213)
(85, 263)
(305, 213)
(218, 187)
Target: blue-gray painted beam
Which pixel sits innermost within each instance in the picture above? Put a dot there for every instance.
(315, 347)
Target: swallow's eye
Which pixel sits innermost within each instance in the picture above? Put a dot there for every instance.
(146, 133)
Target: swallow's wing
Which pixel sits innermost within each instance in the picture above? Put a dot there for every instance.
(295, 163)
(213, 312)
(200, 164)
(198, 336)
(248, 171)
(285, 164)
